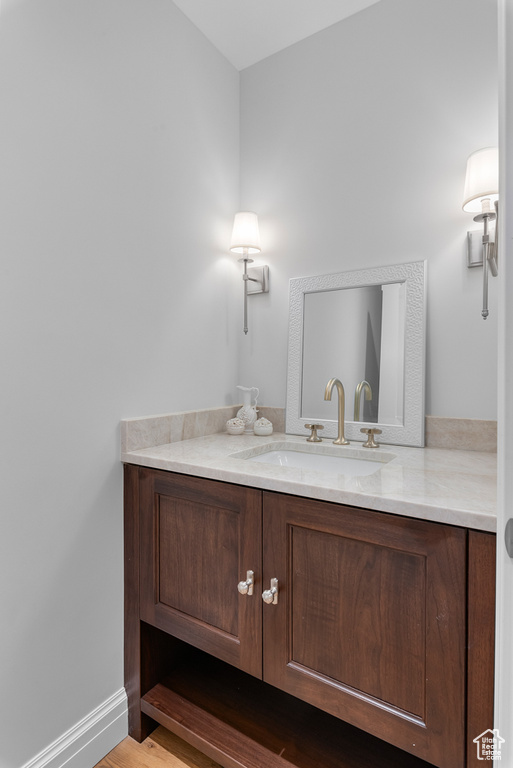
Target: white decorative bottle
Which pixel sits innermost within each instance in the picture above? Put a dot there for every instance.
(248, 413)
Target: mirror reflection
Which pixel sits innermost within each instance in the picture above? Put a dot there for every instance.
(358, 333)
(365, 327)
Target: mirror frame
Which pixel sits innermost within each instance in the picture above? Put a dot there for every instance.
(411, 432)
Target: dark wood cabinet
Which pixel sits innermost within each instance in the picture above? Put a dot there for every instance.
(368, 636)
(196, 539)
(370, 621)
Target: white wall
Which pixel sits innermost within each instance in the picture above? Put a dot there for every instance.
(118, 181)
(353, 151)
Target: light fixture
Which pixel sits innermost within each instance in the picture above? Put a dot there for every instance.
(481, 196)
(246, 240)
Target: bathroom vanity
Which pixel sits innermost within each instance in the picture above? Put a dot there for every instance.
(280, 617)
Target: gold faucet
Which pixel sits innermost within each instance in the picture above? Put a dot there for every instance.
(341, 440)
(363, 385)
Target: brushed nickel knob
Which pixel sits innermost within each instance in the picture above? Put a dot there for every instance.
(246, 587)
(270, 596)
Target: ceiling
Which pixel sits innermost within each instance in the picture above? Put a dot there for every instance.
(246, 31)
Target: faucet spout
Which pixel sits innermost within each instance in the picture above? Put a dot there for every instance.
(341, 440)
(363, 386)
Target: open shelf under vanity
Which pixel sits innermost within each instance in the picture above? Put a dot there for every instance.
(241, 722)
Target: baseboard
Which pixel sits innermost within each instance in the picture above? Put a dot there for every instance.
(87, 742)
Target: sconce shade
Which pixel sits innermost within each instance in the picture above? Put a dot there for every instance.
(482, 179)
(245, 235)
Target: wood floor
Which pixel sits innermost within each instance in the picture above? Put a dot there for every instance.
(161, 749)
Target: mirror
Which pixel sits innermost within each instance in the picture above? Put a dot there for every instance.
(366, 328)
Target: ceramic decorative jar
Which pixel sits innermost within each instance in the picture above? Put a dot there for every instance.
(262, 427)
(235, 426)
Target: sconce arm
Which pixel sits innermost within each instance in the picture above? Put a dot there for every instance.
(493, 252)
(490, 252)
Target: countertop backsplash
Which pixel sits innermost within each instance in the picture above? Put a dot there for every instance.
(147, 431)
(461, 434)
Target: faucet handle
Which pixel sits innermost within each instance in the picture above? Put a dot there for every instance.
(314, 437)
(371, 443)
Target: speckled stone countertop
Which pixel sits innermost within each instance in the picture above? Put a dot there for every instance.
(447, 486)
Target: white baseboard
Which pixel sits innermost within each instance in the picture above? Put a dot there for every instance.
(87, 742)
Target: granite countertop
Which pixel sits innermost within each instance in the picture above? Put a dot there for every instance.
(447, 486)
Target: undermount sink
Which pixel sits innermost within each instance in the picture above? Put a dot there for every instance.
(353, 462)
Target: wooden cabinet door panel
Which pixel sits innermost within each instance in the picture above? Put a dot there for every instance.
(366, 594)
(370, 621)
(198, 539)
(193, 580)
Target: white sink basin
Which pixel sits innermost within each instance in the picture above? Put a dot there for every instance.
(340, 461)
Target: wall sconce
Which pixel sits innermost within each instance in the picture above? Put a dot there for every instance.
(246, 240)
(481, 192)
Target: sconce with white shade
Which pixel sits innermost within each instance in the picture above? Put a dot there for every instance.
(481, 196)
(246, 240)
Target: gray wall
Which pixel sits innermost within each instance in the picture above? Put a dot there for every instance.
(353, 151)
(118, 182)
(119, 177)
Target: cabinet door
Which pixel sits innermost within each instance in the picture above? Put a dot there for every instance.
(198, 540)
(370, 621)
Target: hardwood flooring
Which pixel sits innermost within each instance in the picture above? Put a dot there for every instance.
(161, 749)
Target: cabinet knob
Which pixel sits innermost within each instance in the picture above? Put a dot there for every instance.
(246, 587)
(270, 596)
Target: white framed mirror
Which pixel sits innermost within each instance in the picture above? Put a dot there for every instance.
(367, 328)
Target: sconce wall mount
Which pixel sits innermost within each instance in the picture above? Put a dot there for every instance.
(481, 193)
(246, 241)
